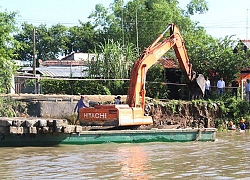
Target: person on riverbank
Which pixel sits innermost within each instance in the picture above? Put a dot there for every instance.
(80, 104)
(247, 90)
(207, 88)
(235, 85)
(221, 86)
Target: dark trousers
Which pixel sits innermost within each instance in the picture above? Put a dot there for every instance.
(207, 93)
(235, 92)
(220, 91)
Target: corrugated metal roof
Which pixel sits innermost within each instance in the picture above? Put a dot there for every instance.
(75, 71)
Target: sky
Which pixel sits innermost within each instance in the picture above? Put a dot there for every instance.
(224, 17)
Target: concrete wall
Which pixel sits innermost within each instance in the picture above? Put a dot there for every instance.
(49, 109)
(56, 106)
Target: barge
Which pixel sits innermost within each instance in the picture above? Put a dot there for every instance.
(20, 132)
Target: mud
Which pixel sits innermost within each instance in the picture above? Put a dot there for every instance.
(184, 115)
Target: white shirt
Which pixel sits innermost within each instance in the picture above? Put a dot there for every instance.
(220, 84)
(207, 84)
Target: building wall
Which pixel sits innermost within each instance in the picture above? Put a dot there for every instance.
(79, 56)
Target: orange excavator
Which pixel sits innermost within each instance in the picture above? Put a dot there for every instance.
(133, 112)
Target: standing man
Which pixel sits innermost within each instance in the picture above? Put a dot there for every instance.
(235, 85)
(207, 88)
(221, 86)
(247, 90)
(80, 104)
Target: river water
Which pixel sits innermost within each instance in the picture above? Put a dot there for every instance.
(226, 158)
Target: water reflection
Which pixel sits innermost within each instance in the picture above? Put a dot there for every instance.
(226, 158)
(133, 162)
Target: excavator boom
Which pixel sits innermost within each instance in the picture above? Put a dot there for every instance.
(155, 51)
(132, 113)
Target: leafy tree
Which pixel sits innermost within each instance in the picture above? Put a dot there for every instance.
(7, 48)
(50, 42)
(216, 58)
(25, 38)
(81, 38)
(55, 41)
(224, 62)
(197, 6)
(114, 32)
(58, 40)
(145, 18)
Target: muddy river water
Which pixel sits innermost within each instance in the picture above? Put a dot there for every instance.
(226, 158)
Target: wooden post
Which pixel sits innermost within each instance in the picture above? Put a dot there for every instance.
(34, 59)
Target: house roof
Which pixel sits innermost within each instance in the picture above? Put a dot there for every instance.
(56, 71)
(61, 63)
(246, 43)
(168, 63)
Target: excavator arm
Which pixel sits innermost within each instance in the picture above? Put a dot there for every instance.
(150, 55)
(132, 113)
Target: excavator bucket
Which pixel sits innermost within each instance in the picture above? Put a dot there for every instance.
(197, 87)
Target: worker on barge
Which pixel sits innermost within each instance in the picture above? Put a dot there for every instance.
(80, 104)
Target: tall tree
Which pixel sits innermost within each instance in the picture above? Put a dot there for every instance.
(25, 38)
(141, 21)
(7, 48)
(81, 38)
(50, 42)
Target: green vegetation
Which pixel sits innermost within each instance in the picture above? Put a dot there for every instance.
(117, 35)
(8, 46)
(12, 108)
(113, 32)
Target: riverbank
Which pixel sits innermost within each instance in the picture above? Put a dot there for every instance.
(170, 114)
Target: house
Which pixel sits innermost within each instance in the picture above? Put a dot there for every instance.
(245, 46)
(74, 59)
(173, 75)
(58, 71)
(72, 66)
(79, 56)
(242, 45)
(22, 63)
